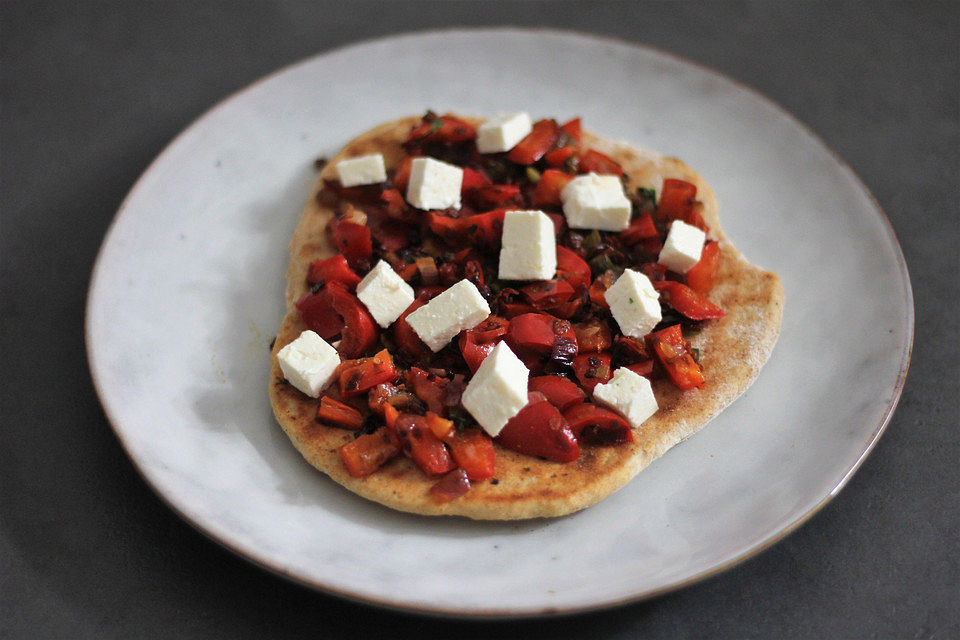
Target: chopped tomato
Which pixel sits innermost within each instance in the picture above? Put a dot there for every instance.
(540, 140)
(572, 268)
(676, 199)
(687, 301)
(547, 294)
(496, 195)
(429, 388)
(592, 369)
(333, 269)
(353, 242)
(596, 425)
(539, 429)
(401, 177)
(558, 157)
(446, 128)
(359, 376)
(599, 288)
(369, 452)
(472, 449)
(573, 129)
(641, 228)
(702, 276)
(482, 229)
(338, 414)
(424, 448)
(404, 334)
(670, 350)
(547, 191)
(451, 486)
(559, 391)
(592, 161)
(593, 335)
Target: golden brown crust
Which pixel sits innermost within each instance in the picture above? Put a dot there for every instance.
(733, 350)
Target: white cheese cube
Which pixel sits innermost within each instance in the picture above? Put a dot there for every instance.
(366, 169)
(309, 363)
(385, 294)
(683, 246)
(635, 304)
(596, 202)
(630, 394)
(498, 390)
(503, 132)
(434, 184)
(528, 250)
(457, 309)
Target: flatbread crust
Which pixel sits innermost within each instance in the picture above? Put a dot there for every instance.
(733, 349)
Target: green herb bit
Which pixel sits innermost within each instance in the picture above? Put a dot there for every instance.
(696, 354)
(592, 241)
(436, 125)
(533, 175)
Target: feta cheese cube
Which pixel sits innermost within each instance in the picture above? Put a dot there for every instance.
(458, 308)
(635, 304)
(385, 294)
(498, 390)
(630, 394)
(366, 169)
(309, 363)
(434, 184)
(528, 250)
(596, 202)
(503, 132)
(682, 248)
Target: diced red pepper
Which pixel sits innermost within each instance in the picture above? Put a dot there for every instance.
(676, 199)
(559, 391)
(559, 223)
(366, 194)
(643, 368)
(540, 140)
(369, 452)
(477, 343)
(401, 177)
(451, 486)
(472, 449)
(494, 196)
(333, 269)
(631, 350)
(445, 128)
(538, 332)
(317, 312)
(596, 425)
(654, 271)
(353, 241)
(472, 180)
(558, 157)
(359, 376)
(573, 129)
(549, 186)
(394, 206)
(572, 268)
(482, 229)
(390, 234)
(688, 302)
(441, 427)
(593, 335)
(539, 429)
(425, 449)
(429, 388)
(337, 414)
(490, 329)
(702, 276)
(670, 350)
(404, 334)
(641, 228)
(592, 369)
(360, 331)
(599, 288)
(592, 161)
(547, 294)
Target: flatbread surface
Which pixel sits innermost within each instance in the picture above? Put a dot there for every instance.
(733, 349)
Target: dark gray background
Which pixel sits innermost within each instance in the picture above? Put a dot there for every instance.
(91, 92)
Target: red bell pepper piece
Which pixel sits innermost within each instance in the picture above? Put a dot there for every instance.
(494, 196)
(401, 177)
(592, 369)
(540, 140)
(558, 157)
(317, 312)
(361, 375)
(333, 269)
(592, 161)
(482, 229)
(670, 350)
(366, 194)
(394, 206)
(702, 276)
(360, 331)
(445, 128)
(549, 186)
(573, 268)
(687, 301)
(364, 455)
(424, 448)
(451, 486)
(540, 430)
(599, 288)
(353, 241)
(472, 180)
(429, 388)
(558, 391)
(477, 343)
(337, 414)
(404, 334)
(538, 332)
(641, 228)
(676, 199)
(593, 335)
(596, 425)
(472, 449)
(573, 129)
(631, 350)
(559, 223)
(644, 368)
(547, 294)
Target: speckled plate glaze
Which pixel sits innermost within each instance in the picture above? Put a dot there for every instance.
(188, 290)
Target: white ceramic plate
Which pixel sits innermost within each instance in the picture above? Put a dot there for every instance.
(188, 291)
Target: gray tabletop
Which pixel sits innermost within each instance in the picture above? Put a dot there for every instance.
(91, 92)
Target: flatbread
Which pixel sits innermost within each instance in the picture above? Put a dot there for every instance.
(733, 349)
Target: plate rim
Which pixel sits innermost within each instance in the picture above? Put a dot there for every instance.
(494, 613)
